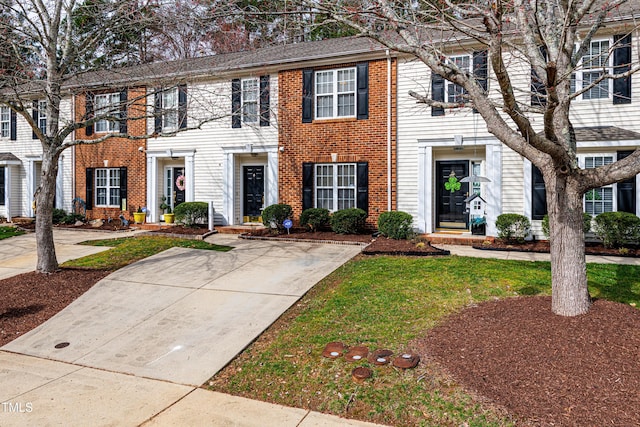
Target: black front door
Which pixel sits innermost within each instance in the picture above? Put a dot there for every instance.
(451, 210)
(178, 186)
(253, 184)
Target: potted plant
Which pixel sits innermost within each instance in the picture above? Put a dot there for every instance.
(140, 215)
(168, 217)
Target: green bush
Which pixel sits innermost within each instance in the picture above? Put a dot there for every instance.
(274, 215)
(513, 227)
(348, 221)
(59, 215)
(617, 229)
(192, 213)
(315, 219)
(72, 218)
(586, 224)
(396, 225)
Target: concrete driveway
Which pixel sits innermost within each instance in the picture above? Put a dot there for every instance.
(178, 317)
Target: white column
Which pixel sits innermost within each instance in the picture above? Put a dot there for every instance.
(272, 178)
(494, 188)
(7, 192)
(228, 170)
(152, 185)
(190, 178)
(60, 184)
(425, 189)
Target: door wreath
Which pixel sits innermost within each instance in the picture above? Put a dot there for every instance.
(180, 182)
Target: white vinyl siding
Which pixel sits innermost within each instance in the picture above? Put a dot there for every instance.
(335, 93)
(107, 105)
(335, 186)
(107, 187)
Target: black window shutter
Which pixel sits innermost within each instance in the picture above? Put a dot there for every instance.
(123, 111)
(88, 106)
(182, 106)
(2, 185)
(538, 90)
(123, 186)
(13, 135)
(538, 194)
(362, 178)
(265, 99)
(307, 186)
(437, 93)
(480, 71)
(626, 190)
(236, 104)
(307, 96)
(89, 189)
(157, 111)
(621, 64)
(35, 115)
(362, 71)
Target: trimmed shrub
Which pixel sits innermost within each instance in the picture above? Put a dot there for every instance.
(586, 224)
(396, 225)
(617, 229)
(315, 219)
(192, 213)
(72, 218)
(348, 221)
(274, 215)
(59, 215)
(513, 227)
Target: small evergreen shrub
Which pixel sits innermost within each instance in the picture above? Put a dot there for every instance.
(315, 219)
(586, 224)
(513, 227)
(192, 213)
(72, 218)
(274, 215)
(395, 225)
(348, 221)
(59, 215)
(617, 229)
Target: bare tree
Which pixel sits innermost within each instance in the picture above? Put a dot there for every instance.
(544, 34)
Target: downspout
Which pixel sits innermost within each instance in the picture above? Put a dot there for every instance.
(389, 193)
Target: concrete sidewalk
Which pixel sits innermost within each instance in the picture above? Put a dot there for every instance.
(136, 346)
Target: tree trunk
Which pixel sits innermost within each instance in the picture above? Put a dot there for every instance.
(44, 197)
(570, 295)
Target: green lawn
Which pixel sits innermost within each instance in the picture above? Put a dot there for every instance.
(9, 231)
(131, 249)
(385, 302)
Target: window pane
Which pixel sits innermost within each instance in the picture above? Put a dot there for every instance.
(346, 199)
(101, 196)
(324, 82)
(324, 106)
(346, 105)
(114, 196)
(347, 80)
(324, 198)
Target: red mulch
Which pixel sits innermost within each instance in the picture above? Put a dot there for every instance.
(591, 248)
(29, 299)
(548, 370)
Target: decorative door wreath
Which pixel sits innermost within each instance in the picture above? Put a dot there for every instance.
(180, 182)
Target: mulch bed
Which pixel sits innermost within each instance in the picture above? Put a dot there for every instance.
(181, 230)
(548, 370)
(29, 299)
(542, 246)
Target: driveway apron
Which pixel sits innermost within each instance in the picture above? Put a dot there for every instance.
(183, 314)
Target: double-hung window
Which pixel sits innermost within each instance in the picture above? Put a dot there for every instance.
(250, 98)
(335, 93)
(170, 110)
(107, 105)
(455, 93)
(335, 186)
(5, 122)
(596, 61)
(598, 200)
(42, 116)
(107, 187)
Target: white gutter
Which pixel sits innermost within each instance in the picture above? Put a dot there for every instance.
(389, 193)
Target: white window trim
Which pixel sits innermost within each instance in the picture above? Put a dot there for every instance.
(614, 187)
(450, 85)
(108, 187)
(110, 108)
(335, 188)
(249, 119)
(335, 92)
(5, 122)
(42, 116)
(579, 72)
(172, 110)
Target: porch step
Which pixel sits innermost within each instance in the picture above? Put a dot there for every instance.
(152, 226)
(239, 229)
(457, 239)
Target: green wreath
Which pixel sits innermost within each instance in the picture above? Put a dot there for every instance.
(452, 184)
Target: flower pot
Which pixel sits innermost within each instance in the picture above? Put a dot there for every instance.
(139, 217)
(169, 218)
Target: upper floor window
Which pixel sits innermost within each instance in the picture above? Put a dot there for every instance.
(598, 200)
(5, 122)
(596, 61)
(250, 98)
(335, 93)
(42, 116)
(107, 187)
(456, 93)
(335, 186)
(170, 110)
(107, 105)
